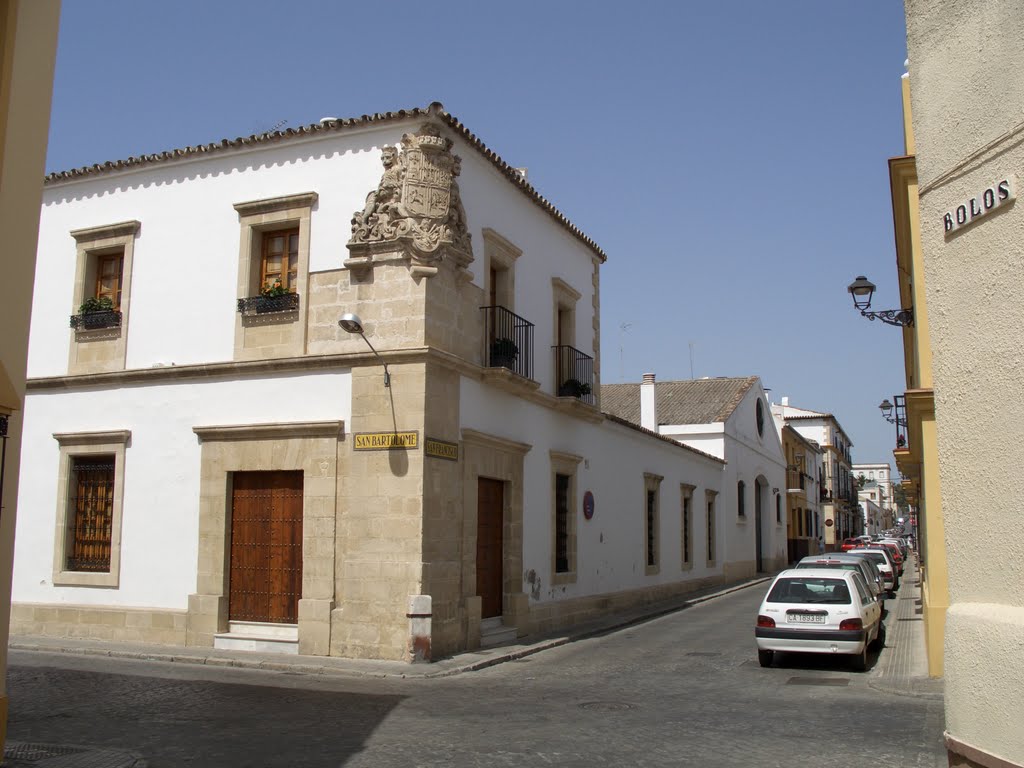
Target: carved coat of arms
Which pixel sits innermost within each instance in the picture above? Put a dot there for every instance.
(417, 202)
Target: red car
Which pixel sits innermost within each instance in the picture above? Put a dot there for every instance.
(849, 544)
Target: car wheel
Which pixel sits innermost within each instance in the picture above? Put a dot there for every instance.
(764, 658)
(879, 643)
(860, 660)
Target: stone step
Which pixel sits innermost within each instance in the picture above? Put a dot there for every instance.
(259, 636)
(493, 632)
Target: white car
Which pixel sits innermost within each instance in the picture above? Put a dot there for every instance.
(812, 610)
(866, 568)
(884, 563)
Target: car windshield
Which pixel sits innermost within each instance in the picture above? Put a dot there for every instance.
(810, 590)
(876, 557)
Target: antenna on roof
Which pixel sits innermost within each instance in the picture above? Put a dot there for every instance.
(275, 127)
(691, 359)
(623, 327)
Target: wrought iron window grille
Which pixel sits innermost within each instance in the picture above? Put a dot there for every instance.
(265, 305)
(91, 321)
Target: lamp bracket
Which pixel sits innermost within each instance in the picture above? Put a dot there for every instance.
(898, 317)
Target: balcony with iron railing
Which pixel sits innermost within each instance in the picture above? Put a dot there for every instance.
(574, 372)
(797, 481)
(508, 341)
(900, 421)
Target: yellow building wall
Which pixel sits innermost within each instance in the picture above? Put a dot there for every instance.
(28, 48)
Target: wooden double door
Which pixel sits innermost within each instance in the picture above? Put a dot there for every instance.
(266, 547)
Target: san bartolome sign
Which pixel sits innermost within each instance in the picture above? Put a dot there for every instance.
(440, 449)
(386, 441)
(1002, 192)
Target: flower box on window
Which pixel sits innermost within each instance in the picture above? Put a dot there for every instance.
(266, 304)
(96, 313)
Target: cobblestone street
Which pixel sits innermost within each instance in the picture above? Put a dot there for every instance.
(682, 689)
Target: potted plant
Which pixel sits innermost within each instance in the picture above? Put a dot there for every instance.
(96, 312)
(503, 353)
(273, 297)
(574, 388)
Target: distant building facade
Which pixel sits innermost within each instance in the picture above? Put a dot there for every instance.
(839, 504)
(728, 418)
(804, 470)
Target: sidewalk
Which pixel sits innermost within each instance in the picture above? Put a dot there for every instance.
(901, 668)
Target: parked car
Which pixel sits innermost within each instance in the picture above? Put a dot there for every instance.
(866, 568)
(883, 561)
(894, 553)
(850, 544)
(901, 543)
(819, 610)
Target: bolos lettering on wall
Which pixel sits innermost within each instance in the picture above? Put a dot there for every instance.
(386, 441)
(1000, 193)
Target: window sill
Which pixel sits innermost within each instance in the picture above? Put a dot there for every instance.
(568, 577)
(85, 579)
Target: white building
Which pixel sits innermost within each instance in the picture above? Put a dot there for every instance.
(878, 476)
(839, 503)
(209, 459)
(871, 512)
(727, 418)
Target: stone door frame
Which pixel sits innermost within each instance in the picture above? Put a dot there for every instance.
(499, 459)
(311, 447)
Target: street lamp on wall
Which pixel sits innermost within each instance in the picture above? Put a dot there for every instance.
(352, 324)
(886, 408)
(862, 289)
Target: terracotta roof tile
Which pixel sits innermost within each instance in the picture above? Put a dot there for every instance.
(435, 110)
(697, 401)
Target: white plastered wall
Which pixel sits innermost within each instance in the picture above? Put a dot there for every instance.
(161, 474)
(185, 267)
(610, 546)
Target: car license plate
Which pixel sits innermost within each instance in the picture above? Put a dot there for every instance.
(806, 618)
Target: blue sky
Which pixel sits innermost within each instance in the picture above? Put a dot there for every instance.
(730, 157)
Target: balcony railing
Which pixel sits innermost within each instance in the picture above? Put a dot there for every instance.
(796, 480)
(91, 321)
(265, 305)
(508, 341)
(574, 373)
(902, 438)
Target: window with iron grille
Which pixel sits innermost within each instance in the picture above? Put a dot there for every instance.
(651, 523)
(564, 487)
(562, 483)
(778, 508)
(741, 502)
(711, 530)
(652, 510)
(686, 504)
(90, 514)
